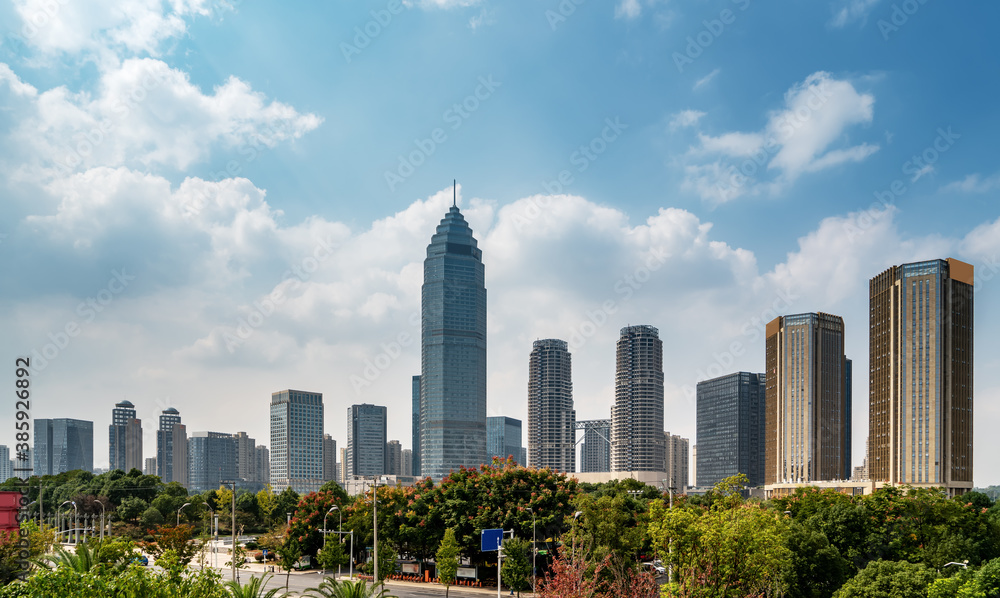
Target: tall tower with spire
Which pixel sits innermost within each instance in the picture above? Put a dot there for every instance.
(453, 350)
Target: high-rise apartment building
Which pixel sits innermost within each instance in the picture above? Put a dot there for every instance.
(180, 466)
(920, 381)
(407, 462)
(595, 451)
(415, 434)
(133, 445)
(453, 351)
(637, 442)
(150, 466)
(849, 403)
(246, 458)
(165, 445)
(63, 445)
(503, 438)
(551, 418)
(296, 440)
(329, 458)
(121, 415)
(730, 428)
(366, 440)
(676, 462)
(393, 458)
(211, 460)
(806, 409)
(6, 465)
(342, 467)
(263, 465)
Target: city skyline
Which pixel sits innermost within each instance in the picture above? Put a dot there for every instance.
(194, 217)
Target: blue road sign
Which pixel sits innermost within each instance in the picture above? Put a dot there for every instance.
(491, 539)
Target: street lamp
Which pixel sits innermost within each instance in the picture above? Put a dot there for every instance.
(75, 512)
(534, 549)
(326, 533)
(213, 533)
(179, 512)
(575, 516)
(102, 519)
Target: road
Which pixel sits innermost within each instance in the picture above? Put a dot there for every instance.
(299, 582)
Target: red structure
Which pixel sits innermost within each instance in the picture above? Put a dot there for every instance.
(10, 503)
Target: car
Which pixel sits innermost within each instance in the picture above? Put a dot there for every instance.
(655, 567)
(141, 560)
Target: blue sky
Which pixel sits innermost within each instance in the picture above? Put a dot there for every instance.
(253, 161)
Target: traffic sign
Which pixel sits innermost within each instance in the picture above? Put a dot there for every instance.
(491, 540)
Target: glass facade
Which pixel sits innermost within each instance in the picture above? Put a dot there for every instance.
(503, 438)
(296, 440)
(453, 351)
(730, 429)
(366, 440)
(63, 445)
(415, 438)
(165, 445)
(211, 460)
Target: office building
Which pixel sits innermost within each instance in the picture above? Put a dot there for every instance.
(503, 438)
(329, 458)
(453, 351)
(342, 467)
(180, 468)
(921, 377)
(121, 415)
(393, 458)
(63, 445)
(150, 466)
(551, 418)
(806, 409)
(246, 458)
(133, 445)
(366, 440)
(415, 434)
(730, 428)
(165, 445)
(637, 442)
(849, 409)
(676, 463)
(296, 440)
(263, 465)
(211, 460)
(6, 464)
(407, 463)
(595, 451)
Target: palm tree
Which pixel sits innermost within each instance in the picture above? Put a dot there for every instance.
(254, 588)
(331, 588)
(82, 561)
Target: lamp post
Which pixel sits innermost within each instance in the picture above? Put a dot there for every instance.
(69, 502)
(179, 512)
(102, 519)
(326, 533)
(375, 527)
(534, 549)
(213, 533)
(670, 547)
(575, 516)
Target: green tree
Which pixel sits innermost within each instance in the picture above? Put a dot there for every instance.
(267, 502)
(889, 579)
(131, 508)
(815, 568)
(516, 568)
(151, 517)
(447, 559)
(310, 514)
(333, 555)
(331, 588)
(289, 554)
(176, 539)
(254, 588)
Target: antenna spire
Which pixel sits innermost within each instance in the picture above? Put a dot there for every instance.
(454, 193)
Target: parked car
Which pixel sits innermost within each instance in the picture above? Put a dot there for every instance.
(655, 567)
(141, 560)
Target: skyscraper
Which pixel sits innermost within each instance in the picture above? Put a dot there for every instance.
(121, 415)
(133, 445)
(329, 458)
(150, 466)
(393, 458)
(179, 468)
(263, 465)
(415, 434)
(366, 440)
(730, 428)
(595, 451)
(165, 445)
(806, 408)
(296, 440)
(6, 465)
(551, 418)
(407, 462)
(212, 460)
(63, 445)
(920, 381)
(503, 438)
(453, 351)
(637, 442)
(676, 463)
(246, 459)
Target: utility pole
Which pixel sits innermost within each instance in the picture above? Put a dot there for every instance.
(233, 560)
(375, 526)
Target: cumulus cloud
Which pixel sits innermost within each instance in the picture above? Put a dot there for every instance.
(799, 137)
(628, 9)
(685, 118)
(973, 183)
(144, 112)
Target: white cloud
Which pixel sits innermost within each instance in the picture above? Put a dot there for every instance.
(685, 118)
(798, 138)
(16, 85)
(973, 183)
(144, 112)
(850, 11)
(485, 17)
(628, 9)
(442, 4)
(705, 80)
